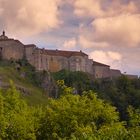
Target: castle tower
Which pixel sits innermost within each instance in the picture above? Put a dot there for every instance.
(3, 37)
(3, 33)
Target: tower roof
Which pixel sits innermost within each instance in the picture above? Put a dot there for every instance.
(3, 36)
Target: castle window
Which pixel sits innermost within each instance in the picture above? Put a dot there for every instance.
(51, 58)
(77, 59)
(0, 53)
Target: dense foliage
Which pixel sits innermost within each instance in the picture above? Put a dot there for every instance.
(17, 120)
(81, 81)
(69, 117)
(120, 92)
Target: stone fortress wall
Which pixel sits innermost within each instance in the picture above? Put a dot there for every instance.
(54, 60)
(10, 48)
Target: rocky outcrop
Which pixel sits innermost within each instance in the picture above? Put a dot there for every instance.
(49, 85)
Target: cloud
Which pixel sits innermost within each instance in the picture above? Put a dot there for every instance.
(122, 30)
(29, 17)
(109, 57)
(109, 28)
(89, 43)
(70, 44)
(84, 42)
(101, 8)
(88, 7)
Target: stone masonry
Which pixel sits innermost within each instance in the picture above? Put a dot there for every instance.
(53, 60)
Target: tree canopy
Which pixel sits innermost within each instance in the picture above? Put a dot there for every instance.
(68, 117)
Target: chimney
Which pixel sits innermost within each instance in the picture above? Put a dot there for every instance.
(3, 33)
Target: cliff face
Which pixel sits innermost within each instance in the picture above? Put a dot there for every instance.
(49, 85)
(34, 86)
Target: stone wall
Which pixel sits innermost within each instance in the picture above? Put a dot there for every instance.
(53, 60)
(89, 66)
(115, 73)
(129, 76)
(55, 63)
(29, 53)
(101, 71)
(77, 63)
(11, 49)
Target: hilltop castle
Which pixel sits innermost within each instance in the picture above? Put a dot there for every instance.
(53, 60)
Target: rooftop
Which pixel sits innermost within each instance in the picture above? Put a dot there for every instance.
(65, 53)
(100, 64)
(30, 45)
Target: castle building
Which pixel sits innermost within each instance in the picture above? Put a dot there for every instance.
(56, 60)
(52, 60)
(10, 48)
(101, 70)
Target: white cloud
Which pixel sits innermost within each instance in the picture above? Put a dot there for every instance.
(29, 17)
(88, 7)
(111, 58)
(84, 42)
(69, 44)
(101, 8)
(122, 30)
(89, 43)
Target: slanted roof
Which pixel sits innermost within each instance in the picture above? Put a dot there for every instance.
(30, 45)
(64, 53)
(100, 64)
(115, 70)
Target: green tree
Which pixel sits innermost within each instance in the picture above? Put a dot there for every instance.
(17, 120)
(79, 80)
(134, 122)
(81, 117)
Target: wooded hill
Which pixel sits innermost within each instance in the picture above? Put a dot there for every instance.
(84, 109)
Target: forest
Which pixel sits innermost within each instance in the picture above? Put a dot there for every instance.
(85, 109)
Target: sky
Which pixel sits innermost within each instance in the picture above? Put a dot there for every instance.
(107, 30)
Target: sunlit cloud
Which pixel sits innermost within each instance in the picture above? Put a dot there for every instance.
(29, 17)
(70, 44)
(122, 30)
(111, 58)
(101, 8)
(108, 30)
(88, 43)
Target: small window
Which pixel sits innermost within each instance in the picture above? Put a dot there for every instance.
(78, 60)
(0, 52)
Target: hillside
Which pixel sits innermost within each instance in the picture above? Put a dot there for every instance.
(25, 78)
(110, 108)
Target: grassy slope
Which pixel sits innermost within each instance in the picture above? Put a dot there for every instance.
(33, 94)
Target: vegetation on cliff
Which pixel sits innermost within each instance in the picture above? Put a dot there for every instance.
(84, 109)
(25, 78)
(69, 117)
(120, 92)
